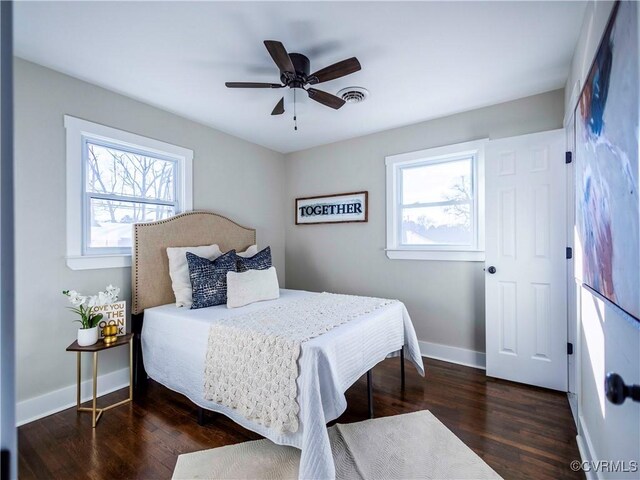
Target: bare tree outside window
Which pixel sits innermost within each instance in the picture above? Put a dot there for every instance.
(125, 187)
(436, 203)
(461, 193)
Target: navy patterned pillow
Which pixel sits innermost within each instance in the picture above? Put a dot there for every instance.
(209, 278)
(260, 261)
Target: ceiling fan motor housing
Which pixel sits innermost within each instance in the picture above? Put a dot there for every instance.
(302, 67)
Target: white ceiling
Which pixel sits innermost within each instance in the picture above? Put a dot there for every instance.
(420, 60)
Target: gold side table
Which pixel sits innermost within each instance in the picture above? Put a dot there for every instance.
(95, 348)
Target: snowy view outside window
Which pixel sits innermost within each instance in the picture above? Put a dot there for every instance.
(436, 204)
(124, 187)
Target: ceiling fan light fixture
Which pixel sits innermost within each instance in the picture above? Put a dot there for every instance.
(353, 94)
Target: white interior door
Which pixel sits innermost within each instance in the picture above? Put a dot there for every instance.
(526, 302)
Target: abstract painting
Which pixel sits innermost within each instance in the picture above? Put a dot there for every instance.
(607, 144)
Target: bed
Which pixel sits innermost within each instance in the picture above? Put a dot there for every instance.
(171, 342)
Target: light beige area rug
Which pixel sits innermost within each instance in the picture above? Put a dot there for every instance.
(414, 445)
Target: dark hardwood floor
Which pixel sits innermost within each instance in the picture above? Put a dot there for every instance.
(521, 431)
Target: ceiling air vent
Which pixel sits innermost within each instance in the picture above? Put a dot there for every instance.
(353, 94)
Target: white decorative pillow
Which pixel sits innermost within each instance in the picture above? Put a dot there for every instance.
(179, 270)
(251, 286)
(249, 252)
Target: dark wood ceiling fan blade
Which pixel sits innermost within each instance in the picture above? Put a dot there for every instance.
(252, 85)
(279, 108)
(325, 98)
(280, 56)
(337, 70)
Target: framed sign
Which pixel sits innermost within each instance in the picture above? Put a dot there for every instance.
(113, 314)
(340, 208)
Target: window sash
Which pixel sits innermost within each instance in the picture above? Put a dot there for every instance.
(446, 203)
(130, 198)
(473, 204)
(87, 139)
(86, 224)
(437, 245)
(88, 196)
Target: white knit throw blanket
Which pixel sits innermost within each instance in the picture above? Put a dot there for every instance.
(252, 359)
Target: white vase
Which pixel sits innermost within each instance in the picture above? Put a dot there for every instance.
(87, 336)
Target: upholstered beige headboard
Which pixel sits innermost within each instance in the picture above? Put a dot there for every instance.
(150, 283)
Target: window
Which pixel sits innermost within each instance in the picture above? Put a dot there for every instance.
(115, 179)
(435, 203)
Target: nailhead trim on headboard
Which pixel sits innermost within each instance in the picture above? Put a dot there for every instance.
(138, 226)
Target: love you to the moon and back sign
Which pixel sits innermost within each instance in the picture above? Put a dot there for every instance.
(113, 314)
(341, 208)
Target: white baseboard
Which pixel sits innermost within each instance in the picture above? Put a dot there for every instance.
(58, 400)
(585, 447)
(573, 405)
(461, 356)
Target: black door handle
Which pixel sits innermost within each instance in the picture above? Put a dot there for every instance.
(617, 391)
(491, 269)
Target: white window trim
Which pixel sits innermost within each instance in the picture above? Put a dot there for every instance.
(77, 130)
(394, 250)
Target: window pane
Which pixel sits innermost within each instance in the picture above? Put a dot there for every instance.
(437, 182)
(118, 172)
(450, 225)
(110, 220)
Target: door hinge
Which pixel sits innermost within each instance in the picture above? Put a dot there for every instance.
(568, 157)
(569, 253)
(569, 348)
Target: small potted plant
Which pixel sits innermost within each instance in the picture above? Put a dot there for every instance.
(84, 306)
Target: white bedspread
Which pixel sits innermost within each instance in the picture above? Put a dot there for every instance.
(174, 345)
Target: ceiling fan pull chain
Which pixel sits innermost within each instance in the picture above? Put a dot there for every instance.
(295, 117)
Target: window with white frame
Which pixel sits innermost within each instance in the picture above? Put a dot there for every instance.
(435, 203)
(115, 179)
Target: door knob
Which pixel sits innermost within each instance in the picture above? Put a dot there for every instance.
(617, 391)
(491, 269)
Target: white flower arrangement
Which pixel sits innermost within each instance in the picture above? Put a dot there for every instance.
(83, 305)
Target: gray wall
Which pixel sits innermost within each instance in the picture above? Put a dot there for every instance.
(233, 177)
(608, 341)
(445, 299)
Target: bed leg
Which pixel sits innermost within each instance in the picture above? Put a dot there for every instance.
(201, 414)
(370, 392)
(402, 367)
(139, 373)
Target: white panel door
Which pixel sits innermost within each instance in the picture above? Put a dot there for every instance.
(526, 301)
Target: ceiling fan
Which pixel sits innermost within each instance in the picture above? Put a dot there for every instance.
(295, 71)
